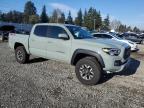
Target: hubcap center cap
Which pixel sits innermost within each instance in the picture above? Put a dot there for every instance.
(86, 72)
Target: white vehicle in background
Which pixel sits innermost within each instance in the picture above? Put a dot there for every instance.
(133, 45)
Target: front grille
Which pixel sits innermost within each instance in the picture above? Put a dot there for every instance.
(127, 52)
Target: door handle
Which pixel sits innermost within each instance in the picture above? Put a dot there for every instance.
(49, 42)
(32, 39)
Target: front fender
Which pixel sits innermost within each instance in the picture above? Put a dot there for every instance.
(90, 53)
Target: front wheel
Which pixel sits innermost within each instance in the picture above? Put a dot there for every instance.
(88, 71)
(21, 55)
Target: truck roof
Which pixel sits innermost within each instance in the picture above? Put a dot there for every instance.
(56, 24)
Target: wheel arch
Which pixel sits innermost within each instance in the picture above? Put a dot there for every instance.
(17, 44)
(81, 53)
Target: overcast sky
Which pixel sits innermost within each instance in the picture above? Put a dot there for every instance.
(130, 12)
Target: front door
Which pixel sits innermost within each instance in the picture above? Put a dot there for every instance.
(57, 48)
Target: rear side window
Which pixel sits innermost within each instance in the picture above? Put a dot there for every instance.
(54, 31)
(41, 31)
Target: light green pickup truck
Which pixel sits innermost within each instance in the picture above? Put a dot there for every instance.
(74, 45)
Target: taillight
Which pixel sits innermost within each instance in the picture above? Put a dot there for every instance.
(12, 34)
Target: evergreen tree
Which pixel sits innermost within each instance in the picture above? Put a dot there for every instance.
(0, 16)
(56, 16)
(85, 18)
(136, 30)
(12, 16)
(98, 20)
(62, 18)
(90, 19)
(69, 18)
(122, 28)
(33, 19)
(79, 18)
(106, 23)
(29, 10)
(93, 19)
(44, 17)
(129, 29)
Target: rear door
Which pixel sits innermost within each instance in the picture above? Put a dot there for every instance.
(38, 41)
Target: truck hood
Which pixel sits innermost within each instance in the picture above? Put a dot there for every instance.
(128, 42)
(105, 42)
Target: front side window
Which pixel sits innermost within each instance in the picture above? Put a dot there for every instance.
(54, 31)
(79, 33)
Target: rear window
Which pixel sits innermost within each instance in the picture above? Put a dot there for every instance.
(41, 31)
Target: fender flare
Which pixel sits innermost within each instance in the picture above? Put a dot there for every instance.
(88, 52)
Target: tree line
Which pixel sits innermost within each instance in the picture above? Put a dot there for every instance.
(90, 18)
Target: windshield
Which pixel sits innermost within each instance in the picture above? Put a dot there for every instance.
(116, 36)
(79, 33)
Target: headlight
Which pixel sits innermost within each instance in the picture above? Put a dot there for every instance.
(112, 51)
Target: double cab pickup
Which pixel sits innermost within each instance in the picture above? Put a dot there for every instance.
(72, 44)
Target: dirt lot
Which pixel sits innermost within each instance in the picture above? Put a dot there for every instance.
(49, 84)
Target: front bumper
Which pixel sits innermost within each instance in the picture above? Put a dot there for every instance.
(134, 48)
(122, 66)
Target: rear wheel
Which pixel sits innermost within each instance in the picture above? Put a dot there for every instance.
(21, 55)
(88, 71)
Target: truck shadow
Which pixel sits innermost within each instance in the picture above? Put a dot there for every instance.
(132, 69)
(36, 60)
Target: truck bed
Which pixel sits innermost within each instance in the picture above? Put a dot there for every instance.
(18, 38)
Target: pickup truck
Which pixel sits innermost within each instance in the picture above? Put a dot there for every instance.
(71, 44)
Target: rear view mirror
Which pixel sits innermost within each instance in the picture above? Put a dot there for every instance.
(63, 36)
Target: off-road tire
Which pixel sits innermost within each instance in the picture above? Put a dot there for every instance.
(94, 64)
(21, 52)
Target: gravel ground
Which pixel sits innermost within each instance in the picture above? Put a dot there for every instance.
(50, 84)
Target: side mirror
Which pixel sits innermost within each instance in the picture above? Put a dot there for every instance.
(63, 36)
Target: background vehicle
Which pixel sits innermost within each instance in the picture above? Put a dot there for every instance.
(141, 36)
(115, 37)
(73, 45)
(132, 37)
(5, 31)
(1, 34)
